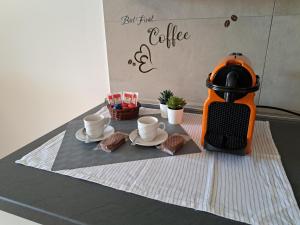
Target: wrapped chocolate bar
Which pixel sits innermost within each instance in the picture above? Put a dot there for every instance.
(110, 99)
(130, 98)
(115, 98)
(123, 100)
(113, 142)
(174, 143)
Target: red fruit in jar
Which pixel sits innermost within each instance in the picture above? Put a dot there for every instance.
(131, 106)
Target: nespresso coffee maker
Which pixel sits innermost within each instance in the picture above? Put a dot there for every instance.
(229, 111)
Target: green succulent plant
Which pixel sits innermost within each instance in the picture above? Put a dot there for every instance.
(164, 96)
(176, 103)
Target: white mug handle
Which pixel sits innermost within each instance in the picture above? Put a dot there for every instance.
(108, 120)
(163, 125)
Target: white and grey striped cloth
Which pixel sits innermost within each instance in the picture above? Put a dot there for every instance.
(253, 189)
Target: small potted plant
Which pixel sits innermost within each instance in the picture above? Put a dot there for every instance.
(163, 99)
(175, 109)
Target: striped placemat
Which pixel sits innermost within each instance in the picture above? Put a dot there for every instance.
(253, 189)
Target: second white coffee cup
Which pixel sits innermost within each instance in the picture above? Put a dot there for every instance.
(148, 127)
(95, 124)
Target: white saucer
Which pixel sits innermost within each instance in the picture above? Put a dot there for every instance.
(81, 136)
(162, 136)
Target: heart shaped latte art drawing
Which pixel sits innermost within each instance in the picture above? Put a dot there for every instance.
(143, 57)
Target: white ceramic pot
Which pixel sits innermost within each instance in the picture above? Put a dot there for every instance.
(175, 116)
(163, 110)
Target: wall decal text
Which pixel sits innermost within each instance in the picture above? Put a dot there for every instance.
(138, 20)
(170, 38)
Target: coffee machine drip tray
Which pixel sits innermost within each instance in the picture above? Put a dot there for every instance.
(227, 127)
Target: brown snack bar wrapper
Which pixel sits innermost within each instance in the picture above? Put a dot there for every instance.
(113, 142)
(174, 143)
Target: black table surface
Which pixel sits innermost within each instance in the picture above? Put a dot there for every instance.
(54, 199)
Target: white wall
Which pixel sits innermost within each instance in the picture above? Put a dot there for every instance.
(53, 66)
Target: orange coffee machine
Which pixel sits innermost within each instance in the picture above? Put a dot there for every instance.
(229, 111)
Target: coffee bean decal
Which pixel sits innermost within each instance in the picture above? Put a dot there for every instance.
(130, 62)
(234, 18)
(227, 23)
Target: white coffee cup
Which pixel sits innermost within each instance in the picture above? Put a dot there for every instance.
(148, 126)
(95, 124)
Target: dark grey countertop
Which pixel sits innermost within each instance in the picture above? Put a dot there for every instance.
(54, 199)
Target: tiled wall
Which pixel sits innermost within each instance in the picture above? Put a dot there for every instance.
(266, 31)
